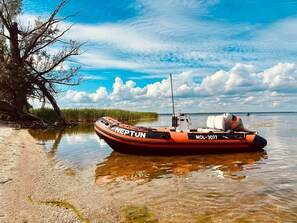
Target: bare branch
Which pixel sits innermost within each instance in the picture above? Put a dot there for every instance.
(2, 34)
(30, 70)
(46, 44)
(72, 52)
(6, 19)
(44, 27)
(3, 18)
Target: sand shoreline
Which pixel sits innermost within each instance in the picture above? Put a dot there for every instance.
(34, 188)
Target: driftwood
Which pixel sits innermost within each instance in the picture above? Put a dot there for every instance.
(23, 119)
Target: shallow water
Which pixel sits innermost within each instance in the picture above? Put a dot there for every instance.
(244, 187)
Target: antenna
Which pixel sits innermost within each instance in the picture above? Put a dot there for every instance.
(173, 111)
(174, 119)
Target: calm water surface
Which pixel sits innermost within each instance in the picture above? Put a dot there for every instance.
(244, 187)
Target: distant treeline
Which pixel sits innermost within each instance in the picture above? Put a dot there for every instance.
(89, 115)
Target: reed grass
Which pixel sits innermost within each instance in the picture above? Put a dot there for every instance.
(89, 115)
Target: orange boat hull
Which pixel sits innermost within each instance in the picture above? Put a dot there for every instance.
(140, 140)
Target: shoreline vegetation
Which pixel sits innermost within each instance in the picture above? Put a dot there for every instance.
(90, 115)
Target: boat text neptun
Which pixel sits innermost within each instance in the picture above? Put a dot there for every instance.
(223, 134)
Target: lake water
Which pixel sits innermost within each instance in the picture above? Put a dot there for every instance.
(244, 187)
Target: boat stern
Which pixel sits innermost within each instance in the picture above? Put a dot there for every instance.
(259, 142)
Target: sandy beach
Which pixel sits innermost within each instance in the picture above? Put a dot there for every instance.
(34, 188)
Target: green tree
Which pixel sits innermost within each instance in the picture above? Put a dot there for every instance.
(28, 69)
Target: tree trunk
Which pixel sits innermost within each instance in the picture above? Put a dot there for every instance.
(7, 108)
(20, 95)
(14, 44)
(52, 101)
(24, 119)
(21, 100)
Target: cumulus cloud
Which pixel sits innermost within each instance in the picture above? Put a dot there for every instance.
(125, 91)
(281, 77)
(84, 97)
(241, 86)
(101, 93)
(241, 78)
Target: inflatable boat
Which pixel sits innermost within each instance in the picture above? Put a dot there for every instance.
(223, 134)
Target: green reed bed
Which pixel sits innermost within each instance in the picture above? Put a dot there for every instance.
(89, 115)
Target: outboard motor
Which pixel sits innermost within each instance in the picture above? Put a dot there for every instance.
(233, 122)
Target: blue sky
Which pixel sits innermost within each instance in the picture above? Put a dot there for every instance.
(226, 55)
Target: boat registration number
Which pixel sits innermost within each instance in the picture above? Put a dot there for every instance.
(206, 137)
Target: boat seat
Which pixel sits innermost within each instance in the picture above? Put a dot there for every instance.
(216, 122)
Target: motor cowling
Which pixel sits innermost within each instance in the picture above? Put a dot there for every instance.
(233, 122)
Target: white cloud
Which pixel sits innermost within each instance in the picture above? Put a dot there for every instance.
(164, 35)
(123, 91)
(170, 36)
(158, 89)
(82, 97)
(241, 78)
(101, 93)
(281, 76)
(281, 34)
(92, 77)
(240, 88)
(97, 60)
(123, 36)
(249, 99)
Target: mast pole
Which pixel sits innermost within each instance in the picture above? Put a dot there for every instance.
(173, 111)
(174, 121)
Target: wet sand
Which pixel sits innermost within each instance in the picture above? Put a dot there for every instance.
(34, 188)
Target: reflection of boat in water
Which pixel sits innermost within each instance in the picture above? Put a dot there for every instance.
(120, 167)
(223, 134)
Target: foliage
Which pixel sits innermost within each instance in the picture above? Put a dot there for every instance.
(45, 113)
(29, 67)
(91, 115)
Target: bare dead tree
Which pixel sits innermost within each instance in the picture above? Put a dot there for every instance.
(28, 68)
